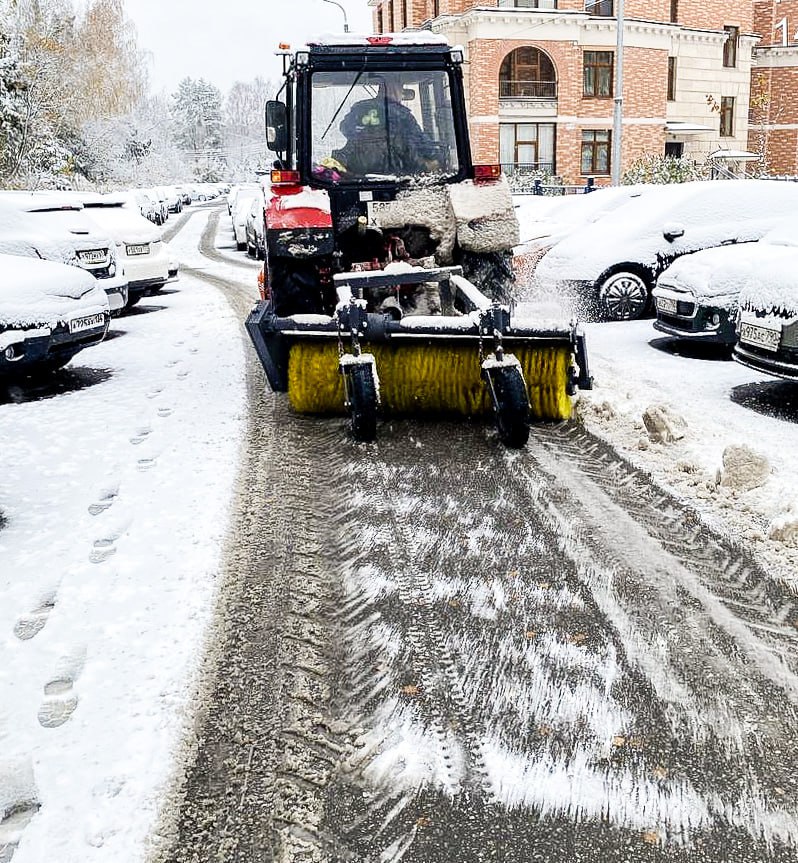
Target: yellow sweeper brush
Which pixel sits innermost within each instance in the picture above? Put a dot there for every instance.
(471, 361)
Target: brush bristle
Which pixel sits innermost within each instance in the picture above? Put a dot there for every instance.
(427, 377)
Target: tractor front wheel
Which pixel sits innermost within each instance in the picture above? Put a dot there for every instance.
(511, 406)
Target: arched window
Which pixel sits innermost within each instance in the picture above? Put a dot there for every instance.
(527, 73)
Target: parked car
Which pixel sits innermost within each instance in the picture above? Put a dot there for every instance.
(254, 228)
(173, 198)
(148, 206)
(21, 235)
(545, 220)
(61, 217)
(139, 244)
(159, 201)
(607, 270)
(767, 322)
(241, 208)
(48, 313)
(696, 296)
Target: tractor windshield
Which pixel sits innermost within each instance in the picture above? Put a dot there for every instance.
(369, 125)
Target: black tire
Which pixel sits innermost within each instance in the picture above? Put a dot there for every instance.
(491, 272)
(362, 395)
(623, 295)
(512, 410)
(241, 246)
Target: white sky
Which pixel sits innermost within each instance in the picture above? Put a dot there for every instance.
(234, 41)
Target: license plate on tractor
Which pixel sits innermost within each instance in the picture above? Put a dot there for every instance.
(89, 322)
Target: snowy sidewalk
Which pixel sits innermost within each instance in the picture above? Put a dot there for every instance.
(116, 499)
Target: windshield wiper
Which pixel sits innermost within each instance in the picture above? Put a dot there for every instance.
(343, 101)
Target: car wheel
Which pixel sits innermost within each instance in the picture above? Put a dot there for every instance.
(241, 246)
(623, 296)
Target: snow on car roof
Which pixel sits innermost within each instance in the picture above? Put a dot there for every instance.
(44, 292)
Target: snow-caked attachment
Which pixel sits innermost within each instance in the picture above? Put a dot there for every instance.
(471, 359)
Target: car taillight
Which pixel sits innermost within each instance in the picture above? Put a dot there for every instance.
(379, 40)
(285, 178)
(262, 287)
(484, 173)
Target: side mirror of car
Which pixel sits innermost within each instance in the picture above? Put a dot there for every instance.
(276, 126)
(672, 231)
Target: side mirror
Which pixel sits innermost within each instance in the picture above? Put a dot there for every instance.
(672, 230)
(276, 126)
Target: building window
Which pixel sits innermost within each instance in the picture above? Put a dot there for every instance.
(404, 14)
(595, 152)
(527, 73)
(730, 46)
(602, 8)
(527, 4)
(674, 11)
(436, 8)
(380, 21)
(727, 116)
(671, 79)
(597, 73)
(526, 148)
(388, 17)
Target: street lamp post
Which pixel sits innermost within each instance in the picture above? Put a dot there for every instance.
(346, 22)
(617, 115)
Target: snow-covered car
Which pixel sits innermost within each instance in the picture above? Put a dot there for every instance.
(139, 244)
(546, 220)
(173, 198)
(607, 270)
(696, 296)
(61, 218)
(241, 207)
(254, 228)
(48, 312)
(767, 319)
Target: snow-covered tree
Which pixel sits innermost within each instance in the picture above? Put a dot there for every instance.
(198, 127)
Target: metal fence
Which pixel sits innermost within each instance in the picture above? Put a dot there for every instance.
(511, 89)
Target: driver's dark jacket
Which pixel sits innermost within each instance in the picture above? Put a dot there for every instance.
(383, 137)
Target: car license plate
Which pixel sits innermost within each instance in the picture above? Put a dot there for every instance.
(89, 322)
(143, 249)
(666, 305)
(762, 337)
(92, 256)
(374, 209)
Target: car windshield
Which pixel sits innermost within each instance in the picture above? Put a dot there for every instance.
(382, 124)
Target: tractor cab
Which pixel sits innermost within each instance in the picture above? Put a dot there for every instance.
(368, 113)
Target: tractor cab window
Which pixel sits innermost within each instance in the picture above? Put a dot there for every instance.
(367, 125)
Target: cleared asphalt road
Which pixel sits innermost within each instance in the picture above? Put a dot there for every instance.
(433, 649)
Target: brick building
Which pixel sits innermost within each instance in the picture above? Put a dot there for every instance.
(540, 77)
(774, 86)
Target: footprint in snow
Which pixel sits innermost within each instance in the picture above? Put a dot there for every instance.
(13, 822)
(30, 624)
(107, 497)
(60, 699)
(164, 412)
(141, 435)
(183, 373)
(172, 363)
(154, 392)
(103, 549)
(147, 463)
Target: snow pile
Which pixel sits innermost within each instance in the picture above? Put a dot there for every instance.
(744, 469)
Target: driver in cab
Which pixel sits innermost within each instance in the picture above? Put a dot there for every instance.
(383, 137)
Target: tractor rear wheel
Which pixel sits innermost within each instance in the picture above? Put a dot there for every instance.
(491, 272)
